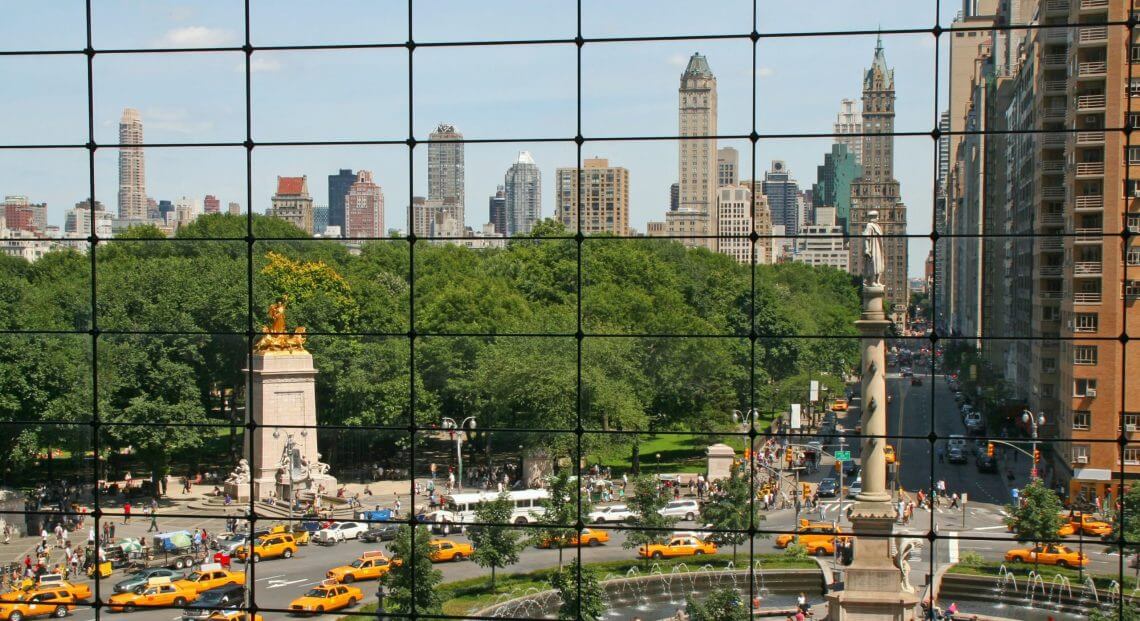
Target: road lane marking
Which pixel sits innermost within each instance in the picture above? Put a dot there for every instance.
(953, 547)
(990, 527)
(270, 578)
(276, 584)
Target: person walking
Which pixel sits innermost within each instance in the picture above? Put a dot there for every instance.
(111, 531)
(7, 533)
(153, 521)
(127, 513)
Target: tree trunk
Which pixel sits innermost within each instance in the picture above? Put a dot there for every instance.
(559, 556)
(492, 578)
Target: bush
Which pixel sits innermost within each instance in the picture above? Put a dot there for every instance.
(971, 559)
(797, 552)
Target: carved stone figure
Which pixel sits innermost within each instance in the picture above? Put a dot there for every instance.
(318, 467)
(874, 262)
(240, 474)
(905, 545)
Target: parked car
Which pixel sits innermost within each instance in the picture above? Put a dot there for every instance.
(985, 463)
(855, 488)
(140, 578)
(382, 532)
(956, 455)
(828, 488)
(220, 598)
(612, 513)
(339, 531)
(686, 509)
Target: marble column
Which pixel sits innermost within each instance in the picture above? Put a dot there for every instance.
(873, 584)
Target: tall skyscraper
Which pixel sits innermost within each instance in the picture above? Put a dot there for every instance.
(497, 211)
(734, 222)
(727, 167)
(364, 207)
(445, 170)
(848, 127)
(523, 186)
(877, 189)
(211, 204)
(603, 204)
(338, 189)
(697, 156)
(833, 186)
(132, 169)
(292, 202)
(782, 191)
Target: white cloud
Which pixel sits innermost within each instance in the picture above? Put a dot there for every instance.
(261, 63)
(197, 36)
(765, 72)
(679, 60)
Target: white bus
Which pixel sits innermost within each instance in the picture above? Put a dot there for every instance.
(460, 508)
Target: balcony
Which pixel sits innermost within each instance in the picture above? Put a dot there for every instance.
(1050, 244)
(1052, 167)
(1053, 193)
(1090, 169)
(1087, 268)
(1052, 141)
(1090, 103)
(1056, 7)
(1053, 219)
(1054, 113)
(1051, 295)
(1087, 297)
(1092, 35)
(1055, 61)
(1050, 271)
(1094, 5)
(1092, 202)
(1055, 35)
(1055, 87)
(1089, 235)
(1092, 69)
(1090, 138)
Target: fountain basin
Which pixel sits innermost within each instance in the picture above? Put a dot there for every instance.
(1021, 599)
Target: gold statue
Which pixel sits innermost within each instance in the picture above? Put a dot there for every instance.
(275, 337)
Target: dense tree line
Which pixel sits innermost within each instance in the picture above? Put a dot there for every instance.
(172, 319)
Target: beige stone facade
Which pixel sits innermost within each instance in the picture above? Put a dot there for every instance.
(596, 194)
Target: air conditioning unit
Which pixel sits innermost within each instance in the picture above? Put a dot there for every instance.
(1130, 428)
(1134, 228)
(1082, 459)
(1090, 392)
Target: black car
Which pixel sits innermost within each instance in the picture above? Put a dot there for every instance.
(986, 463)
(850, 469)
(828, 488)
(956, 455)
(212, 600)
(382, 532)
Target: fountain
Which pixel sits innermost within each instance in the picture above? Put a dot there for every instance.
(1059, 582)
(1090, 587)
(1034, 580)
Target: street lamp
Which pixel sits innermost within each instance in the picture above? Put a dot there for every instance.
(468, 424)
(1028, 418)
(380, 602)
(659, 463)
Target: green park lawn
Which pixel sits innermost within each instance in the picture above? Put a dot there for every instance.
(680, 453)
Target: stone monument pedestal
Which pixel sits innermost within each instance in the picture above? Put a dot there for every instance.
(283, 392)
(239, 492)
(720, 458)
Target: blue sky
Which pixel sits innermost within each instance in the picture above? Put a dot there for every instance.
(513, 91)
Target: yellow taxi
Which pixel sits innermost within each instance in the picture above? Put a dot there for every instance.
(1067, 529)
(817, 537)
(233, 615)
(677, 546)
(211, 575)
(1089, 525)
(300, 535)
(447, 550)
(273, 545)
(889, 454)
(840, 405)
(51, 582)
(370, 566)
(327, 597)
(588, 537)
(157, 592)
(56, 602)
(1048, 554)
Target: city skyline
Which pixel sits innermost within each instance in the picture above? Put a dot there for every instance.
(541, 110)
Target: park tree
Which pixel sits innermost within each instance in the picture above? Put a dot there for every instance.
(722, 604)
(1128, 521)
(732, 510)
(497, 543)
(561, 512)
(582, 595)
(647, 525)
(412, 584)
(1038, 516)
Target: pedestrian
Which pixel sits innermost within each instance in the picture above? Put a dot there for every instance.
(111, 531)
(941, 455)
(433, 467)
(7, 533)
(127, 512)
(954, 500)
(153, 521)
(398, 505)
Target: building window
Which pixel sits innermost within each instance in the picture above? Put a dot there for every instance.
(1134, 87)
(1080, 453)
(1131, 289)
(1084, 354)
(1085, 322)
(1131, 456)
(1131, 422)
(1084, 387)
(1134, 155)
(1134, 120)
(1082, 420)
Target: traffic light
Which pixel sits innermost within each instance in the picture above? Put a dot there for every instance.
(989, 449)
(838, 466)
(1036, 456)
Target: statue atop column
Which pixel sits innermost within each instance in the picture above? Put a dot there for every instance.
(275, 336)
(874, 262)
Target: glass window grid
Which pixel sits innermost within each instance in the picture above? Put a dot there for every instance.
(95, 333)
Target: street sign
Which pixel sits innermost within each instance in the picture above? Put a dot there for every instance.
(842, 455)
